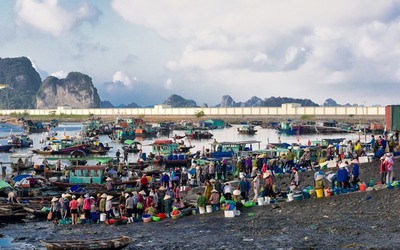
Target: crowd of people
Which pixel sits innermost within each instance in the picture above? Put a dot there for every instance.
(255, 175)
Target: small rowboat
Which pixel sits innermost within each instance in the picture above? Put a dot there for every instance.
(110, 243)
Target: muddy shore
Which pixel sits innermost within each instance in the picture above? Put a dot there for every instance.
(357, 220)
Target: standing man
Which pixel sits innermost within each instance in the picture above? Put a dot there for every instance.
(125, 154)
(118, 154)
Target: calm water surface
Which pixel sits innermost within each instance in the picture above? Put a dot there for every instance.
(227, 134)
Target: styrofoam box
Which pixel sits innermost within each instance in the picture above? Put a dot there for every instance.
(229, 213)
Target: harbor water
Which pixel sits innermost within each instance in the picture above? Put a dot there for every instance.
(264, 135)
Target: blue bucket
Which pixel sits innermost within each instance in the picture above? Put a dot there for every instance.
(306, 194)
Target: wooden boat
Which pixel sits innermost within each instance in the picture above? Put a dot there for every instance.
(247, 129)
(199, 135)
(61, 184)
(108, 243)
(12, 213)
(37, 210)
(132, 146)
(21, 162)
(5, 148)
(229, 149)
(20, 141)
(35, 127)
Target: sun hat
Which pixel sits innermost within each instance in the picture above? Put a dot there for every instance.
(104, 195)
(212, 181)
(73, 197)
(214, 191)
(91, 197)
(86, 196)
(54, 199)
(108, 179)
(167, 197)
(63, 195)
(109, 197)
(342, 165)
(319, 177)
(236, 192)
(126, 195)
(134, 193)
(142, 192)
(266, 174)
(290, 147)
(330, 145)
(162, 188)
(67, 195)
(307, 149)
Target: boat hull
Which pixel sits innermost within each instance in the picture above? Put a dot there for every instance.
(110, 243)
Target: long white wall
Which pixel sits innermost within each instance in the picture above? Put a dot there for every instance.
(165, 110)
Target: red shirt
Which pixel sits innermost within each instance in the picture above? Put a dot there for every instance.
(143, 181)
(73, 204)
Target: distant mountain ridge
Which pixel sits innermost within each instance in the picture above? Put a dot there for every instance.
(21, 87)
(76, 90)
(20, 83)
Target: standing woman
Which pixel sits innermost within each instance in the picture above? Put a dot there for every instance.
(268, 183)
(73, 204)
(55, 208)
(389, 168)
(109, 208)
(207, 190)
(87, 203)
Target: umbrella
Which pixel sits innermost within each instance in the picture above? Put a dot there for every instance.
(130, 142)
(4, 184)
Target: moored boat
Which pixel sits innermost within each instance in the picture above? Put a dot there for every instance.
(20, 141)
(105, 243)
(247, 129)
(5, 148)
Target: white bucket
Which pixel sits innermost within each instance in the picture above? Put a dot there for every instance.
(243, 201)
(290, 196)
(241, 175)
(260, 201)
(202, 210)
(102, 217)
(209, 208)
(267, 200)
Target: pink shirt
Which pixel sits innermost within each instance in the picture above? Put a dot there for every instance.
(86, 204)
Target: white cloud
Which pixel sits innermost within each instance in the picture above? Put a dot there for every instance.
(125, 79)
(49, 16)
(307, 49)
(260, 58)
(168, 84)
(60, 74)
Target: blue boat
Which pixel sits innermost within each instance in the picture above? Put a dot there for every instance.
(5, 148)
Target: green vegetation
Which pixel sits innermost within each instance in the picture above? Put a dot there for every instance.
(306, 117)
(49, 117)
(199, 114)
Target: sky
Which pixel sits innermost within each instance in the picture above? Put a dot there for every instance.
(144, 51)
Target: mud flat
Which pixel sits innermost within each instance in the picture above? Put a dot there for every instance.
(356, 220)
